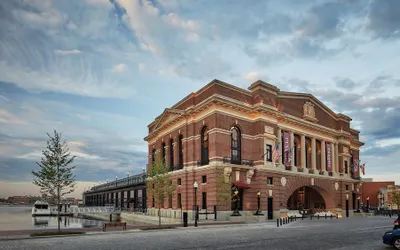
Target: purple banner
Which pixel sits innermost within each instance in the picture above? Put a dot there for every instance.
(329, 157)
(286, 149)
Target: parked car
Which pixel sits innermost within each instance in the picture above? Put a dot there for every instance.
(392, 238)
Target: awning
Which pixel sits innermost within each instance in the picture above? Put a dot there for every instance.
(241, 185)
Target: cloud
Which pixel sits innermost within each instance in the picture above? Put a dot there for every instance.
(68, 52)
(120, 67)
(383, 19)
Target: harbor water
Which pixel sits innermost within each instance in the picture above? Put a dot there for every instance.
(20, 218)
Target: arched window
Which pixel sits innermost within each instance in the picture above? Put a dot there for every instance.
(180, 159)
(153, 156)
(236, 141)
(204, 146)
(163, 153)
(171, 154)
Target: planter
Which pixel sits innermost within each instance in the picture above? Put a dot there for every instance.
(330, 174)
(289, 168)
(311, 171)
(321, 172)
(300, 169)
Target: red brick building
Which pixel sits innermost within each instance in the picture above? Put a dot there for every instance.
(371, 191)
(233, 130)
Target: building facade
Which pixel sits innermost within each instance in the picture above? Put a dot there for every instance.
(225, 130)
(371, 190)
(384, 197)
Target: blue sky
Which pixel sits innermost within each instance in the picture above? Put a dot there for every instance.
(99, 71)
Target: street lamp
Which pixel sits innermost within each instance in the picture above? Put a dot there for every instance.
(195, 185)
(367, 204)
(347, 205)
(258, 212)
(116, 178)
(236, 200)
(358, 203)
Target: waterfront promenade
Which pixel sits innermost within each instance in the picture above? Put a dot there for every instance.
(351, 233)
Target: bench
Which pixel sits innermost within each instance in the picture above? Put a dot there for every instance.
(114, 224)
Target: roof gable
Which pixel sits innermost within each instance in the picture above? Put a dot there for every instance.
(167, 116)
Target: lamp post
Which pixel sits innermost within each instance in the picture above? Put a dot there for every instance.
(116, 179)
(236, 200)
(258, 212)
(195, 185)
(347, 205)
(358, 203)
(367, 204)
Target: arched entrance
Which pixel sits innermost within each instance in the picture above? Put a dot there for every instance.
(306, 199)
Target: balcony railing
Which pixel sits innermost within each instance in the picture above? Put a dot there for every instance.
(356, 177)
(243, 162)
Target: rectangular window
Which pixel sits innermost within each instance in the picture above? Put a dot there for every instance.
(152, 203)
(268, 152)
(270, 181)
(346, 171)
(179, 201)
(347, 187)
(170, 201)
(204, 200)
(179, 182)
(204, 179)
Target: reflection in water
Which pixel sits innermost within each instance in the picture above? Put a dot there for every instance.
(20, 218)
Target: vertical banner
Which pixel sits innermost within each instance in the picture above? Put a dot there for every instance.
(329, 157)
(286, 148)
(355, 165)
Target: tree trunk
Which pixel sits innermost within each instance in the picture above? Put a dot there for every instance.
(159, 215)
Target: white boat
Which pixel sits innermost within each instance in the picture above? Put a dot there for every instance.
(41, 208)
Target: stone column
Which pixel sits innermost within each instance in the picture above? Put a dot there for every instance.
(313, 153)
(323, 156)
(337, 157)
(292, 148)
(303, 151)
(280, 144)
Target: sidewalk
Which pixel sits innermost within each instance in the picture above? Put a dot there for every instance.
(25, 234)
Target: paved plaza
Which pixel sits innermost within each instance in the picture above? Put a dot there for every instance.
(351, 233)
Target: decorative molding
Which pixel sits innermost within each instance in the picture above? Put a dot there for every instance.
(309, 112)
(269, 130)
(249, 175)
(227, 173)
(336, 186)
(345, 150)
(270, 193)
(312, 182)
(283, 181)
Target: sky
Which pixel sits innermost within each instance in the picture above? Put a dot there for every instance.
(99, 71)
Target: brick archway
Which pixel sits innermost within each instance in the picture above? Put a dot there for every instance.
(323, 187)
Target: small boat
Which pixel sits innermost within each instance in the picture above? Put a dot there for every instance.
(41, 208)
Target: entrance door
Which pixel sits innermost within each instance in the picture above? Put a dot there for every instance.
(270, 209)
(347, 208)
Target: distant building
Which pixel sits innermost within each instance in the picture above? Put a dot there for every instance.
(385, 197)
(371, 190)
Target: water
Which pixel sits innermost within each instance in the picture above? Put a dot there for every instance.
(20, 218)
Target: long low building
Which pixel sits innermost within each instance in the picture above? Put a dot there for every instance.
(288, 149)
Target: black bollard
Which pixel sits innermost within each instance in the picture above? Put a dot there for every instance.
(277, 222)
(185, 219)
(280, 221)
(318, 217)
(311, 217)
(325, 216)
(215, 212)
(302, 217)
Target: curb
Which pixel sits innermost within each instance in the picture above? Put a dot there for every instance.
(90, 233)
